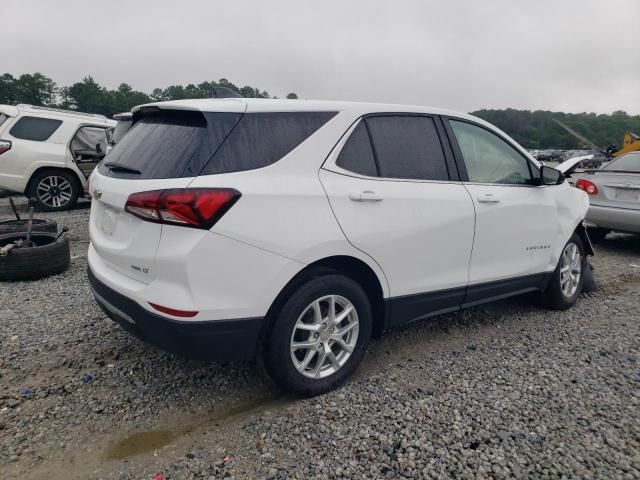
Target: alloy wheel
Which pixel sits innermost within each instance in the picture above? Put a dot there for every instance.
(54, 191)
(570, 270)
(324, 336)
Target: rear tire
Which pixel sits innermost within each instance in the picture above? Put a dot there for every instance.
(565, 285)
(329, 345)
(54, 190)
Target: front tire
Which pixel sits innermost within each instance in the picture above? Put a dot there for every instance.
(54, 190)
(566, 282)
(319, 336)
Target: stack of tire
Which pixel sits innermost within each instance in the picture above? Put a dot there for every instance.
(49, 254)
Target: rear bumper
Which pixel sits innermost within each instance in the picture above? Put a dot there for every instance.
(619, 219)
(218, 340)
(13, 183)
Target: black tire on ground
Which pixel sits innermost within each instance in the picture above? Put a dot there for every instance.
(277, 355)
(54, 190)
(554, 297)
(19, 226)
(50, 257)
(597, 235)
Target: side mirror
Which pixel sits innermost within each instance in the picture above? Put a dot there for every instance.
(550, 176)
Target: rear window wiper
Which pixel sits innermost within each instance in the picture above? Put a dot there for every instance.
(121, 168)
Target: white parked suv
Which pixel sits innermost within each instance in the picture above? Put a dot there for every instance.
(48, 154)
(296, 230)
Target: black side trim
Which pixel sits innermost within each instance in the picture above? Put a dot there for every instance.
(219, 340)
(409, 308)
(489, 292)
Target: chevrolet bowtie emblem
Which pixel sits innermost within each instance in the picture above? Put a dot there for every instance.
(96, 194)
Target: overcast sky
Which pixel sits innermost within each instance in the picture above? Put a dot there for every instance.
(564, 55)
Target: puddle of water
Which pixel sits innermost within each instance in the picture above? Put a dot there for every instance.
(145, 442)
(141, 442)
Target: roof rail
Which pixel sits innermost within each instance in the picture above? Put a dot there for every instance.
(60, 110)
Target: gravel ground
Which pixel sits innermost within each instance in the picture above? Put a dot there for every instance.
(507, 390)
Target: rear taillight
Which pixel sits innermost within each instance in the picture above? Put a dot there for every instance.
(4, 146)
(587, 186)
(187, 207)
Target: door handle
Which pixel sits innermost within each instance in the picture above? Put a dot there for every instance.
(488, 198)
(366, 196)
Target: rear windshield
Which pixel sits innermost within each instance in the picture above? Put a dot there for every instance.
(168, 144)
(173, 144)
(629, 162)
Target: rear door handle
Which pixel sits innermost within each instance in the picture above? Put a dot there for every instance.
(366, 196)
(488, 198)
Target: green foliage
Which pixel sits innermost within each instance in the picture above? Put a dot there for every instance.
(531, 129)
(91, 97)
(536, 130)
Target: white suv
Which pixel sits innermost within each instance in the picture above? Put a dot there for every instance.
(295, 230)
(48, 154)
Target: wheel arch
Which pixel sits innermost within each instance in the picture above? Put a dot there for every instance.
(349, 266)
(27, 190)
(581, 231)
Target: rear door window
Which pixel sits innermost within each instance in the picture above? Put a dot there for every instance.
(34, 128)
(407, 146)
(356, 154)
(261, 139)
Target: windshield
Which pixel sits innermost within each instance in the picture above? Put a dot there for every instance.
(629, 162)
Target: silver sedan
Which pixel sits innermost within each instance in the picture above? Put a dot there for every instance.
(614, 195)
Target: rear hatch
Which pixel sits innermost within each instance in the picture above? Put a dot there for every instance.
(164, 149)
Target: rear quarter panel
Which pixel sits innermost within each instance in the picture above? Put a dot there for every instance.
(284, 208)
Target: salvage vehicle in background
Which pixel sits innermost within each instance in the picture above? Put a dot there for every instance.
(124, 120)
(48, 154)
(614, 196)
(296, 230)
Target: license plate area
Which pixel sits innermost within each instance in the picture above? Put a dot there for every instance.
(108, 221)
(627, 195)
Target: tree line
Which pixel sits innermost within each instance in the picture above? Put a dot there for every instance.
(537, 130)
(91, 97)
(532, 129)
